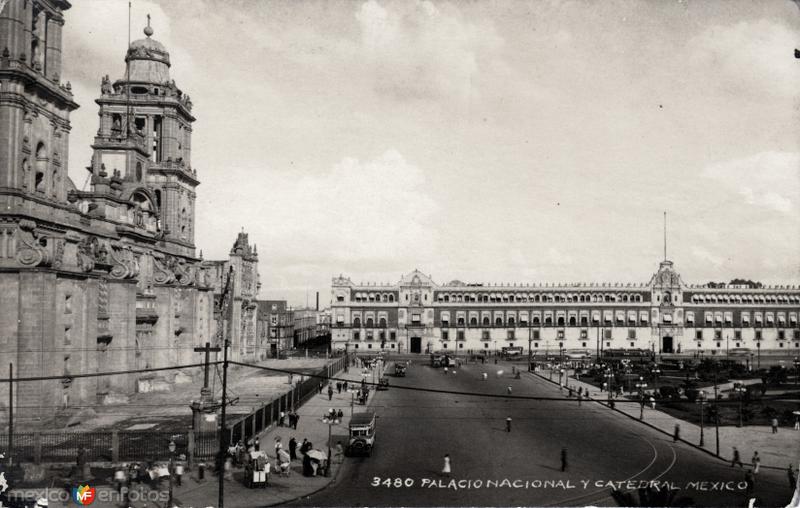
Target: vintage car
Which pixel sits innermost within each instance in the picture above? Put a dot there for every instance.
(362, 434)
(400, 369)
(383, 383)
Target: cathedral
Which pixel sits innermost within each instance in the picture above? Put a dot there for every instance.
(106, 278)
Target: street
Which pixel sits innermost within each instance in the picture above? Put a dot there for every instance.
(416, 429)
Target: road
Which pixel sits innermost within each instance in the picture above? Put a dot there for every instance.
(417, 428)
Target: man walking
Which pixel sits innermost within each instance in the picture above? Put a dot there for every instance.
(756, 460)
(330, 392)
(508, 424)
(280, 421)
(563, 459)
(736, 458)
(338, 387)
(677, 435)
(774, 425)
(292, 448)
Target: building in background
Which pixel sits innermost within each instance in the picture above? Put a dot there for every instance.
(243, 310)
(665, 315)
(275, 328)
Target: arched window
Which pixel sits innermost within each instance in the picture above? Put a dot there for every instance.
(391, 298)
(667, 297)
(560, 320)
(370, 322)
(572, 321)
(486, 321)
(41, 166)
(357, 322)
(511, 321)
(382, 322)
(473, 321)
(498, 321)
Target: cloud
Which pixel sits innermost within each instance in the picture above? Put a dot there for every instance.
(740, 56)
(769, 179)
(355, 214)
(420, 50)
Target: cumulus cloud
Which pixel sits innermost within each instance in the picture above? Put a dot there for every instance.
(769, 179)
(420, 50)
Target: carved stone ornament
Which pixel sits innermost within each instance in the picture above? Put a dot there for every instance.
(32, 249)
(162, 274)
(125, 264)
(58, 255)
(85, 254)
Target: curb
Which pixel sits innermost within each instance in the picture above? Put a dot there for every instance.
(648, 424)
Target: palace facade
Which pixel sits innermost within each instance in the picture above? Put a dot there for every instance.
(665, 315)
(107, 277)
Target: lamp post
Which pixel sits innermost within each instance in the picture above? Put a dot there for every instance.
(530, 338)
(655, 371)
(701, 399)
(741, 390)
(796, 370)
(171, 468)
(716, 408)
(610, 377)
(330, 422)
(641, 385)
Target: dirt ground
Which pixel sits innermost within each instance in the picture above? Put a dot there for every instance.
(167, 411)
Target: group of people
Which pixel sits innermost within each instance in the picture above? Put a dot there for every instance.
(750, 474)
(293, 419)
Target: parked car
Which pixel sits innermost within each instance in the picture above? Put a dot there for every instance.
(362, 434)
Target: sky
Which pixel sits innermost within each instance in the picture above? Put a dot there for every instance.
(484, 141)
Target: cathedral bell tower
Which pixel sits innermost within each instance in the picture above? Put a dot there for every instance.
(34, 105)
(144, 139)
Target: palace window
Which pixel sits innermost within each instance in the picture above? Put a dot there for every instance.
(356, 335)
(510, 335)
(460, 335)
(445, 335)
(737, 334)
(758, 334)
(392, 336)
(485, 335)
(631, 334)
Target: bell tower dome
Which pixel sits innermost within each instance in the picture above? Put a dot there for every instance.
(145, 138)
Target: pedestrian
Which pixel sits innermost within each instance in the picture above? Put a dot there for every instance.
(756, 460)
(293, 448)
(320, 387)
(339, 452)
(797, 423)
(736, 458)
(278, 445)
(774, 425)
(652, 403)
(792, 478)
(280, 421)
(339, 414)
(580, 391)
(508, 424)
(256, 444)
(344, 386)
(446, 467)
(677, 434)
(563, 459)
(296, 419)
(750, 482)
(580, 398)
(330, 392)
(338, 387)
(179, 471)
(445, 370)
(508, 390)
(119, 478)
(484, 376)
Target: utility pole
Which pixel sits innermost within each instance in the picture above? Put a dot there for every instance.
(10, 414)
(222, 433)
(716, 407)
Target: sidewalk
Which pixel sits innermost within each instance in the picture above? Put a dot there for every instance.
(776, 450)
(200, 494)
(284, 489)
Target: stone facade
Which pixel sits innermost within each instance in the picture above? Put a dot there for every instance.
(665, 315)
(107, 278)
(275, 328)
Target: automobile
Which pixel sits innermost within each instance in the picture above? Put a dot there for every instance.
(362, 434)
(399, 369)
(383, 383)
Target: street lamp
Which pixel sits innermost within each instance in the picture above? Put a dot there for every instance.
(701, 399)
(796, 370)
(741, 390)
(641, 385)
(655, 371)
(610, 376)
(330, 421)
(171, 467)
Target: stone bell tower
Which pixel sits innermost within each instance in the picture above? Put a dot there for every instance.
(34, 105)
(145, 138)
